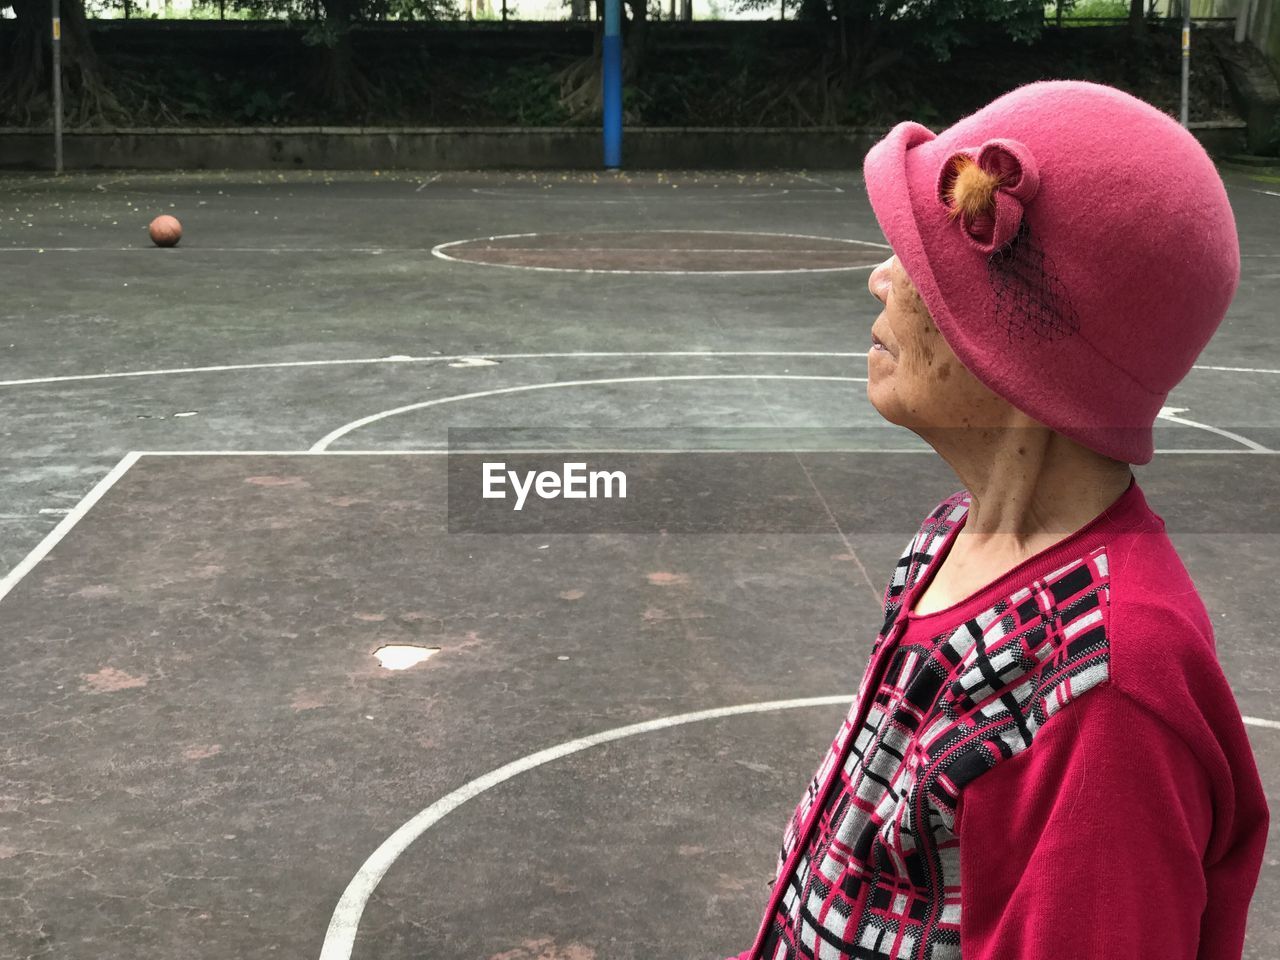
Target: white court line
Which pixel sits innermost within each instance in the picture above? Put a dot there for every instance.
(281, 364)
(444, 449)
(650, 193)
(323, 444)
(1203, 366)
(821, 183)
(581, 355)
(426, 183)
(656, 250)
(437, 251)
(1166, 413)
(199, 249)
(64, 526)
(741, 233)
(1170, 414)
(804, 196)
(340, 938)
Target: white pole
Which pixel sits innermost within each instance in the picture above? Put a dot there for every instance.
(1242, 20)
(57, 88)
(1186, 62)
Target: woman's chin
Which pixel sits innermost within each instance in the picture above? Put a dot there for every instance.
(882, 400)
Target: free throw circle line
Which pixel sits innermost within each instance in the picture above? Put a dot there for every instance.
(339, 940)
(323, 444)
(438, 251)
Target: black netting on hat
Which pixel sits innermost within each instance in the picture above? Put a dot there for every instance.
(1031, 301)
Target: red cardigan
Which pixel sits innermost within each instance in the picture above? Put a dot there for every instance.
(1054, 769)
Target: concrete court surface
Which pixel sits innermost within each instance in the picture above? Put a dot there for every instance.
(203, 752)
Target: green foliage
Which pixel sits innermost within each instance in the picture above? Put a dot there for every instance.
(757, 75)
(935, 26)
(324, 33)
(1088, 10)
(209, 10)
(528, 95)
(176, 91)
(261, 107)
(1101, 9)
(420, 10)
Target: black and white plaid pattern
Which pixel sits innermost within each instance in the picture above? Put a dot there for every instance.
(877, 875)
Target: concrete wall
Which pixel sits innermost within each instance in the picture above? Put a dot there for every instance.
(354, 148)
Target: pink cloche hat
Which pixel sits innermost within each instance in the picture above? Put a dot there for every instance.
(1074, 246)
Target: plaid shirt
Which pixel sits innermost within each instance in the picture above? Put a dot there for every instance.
(881, 860)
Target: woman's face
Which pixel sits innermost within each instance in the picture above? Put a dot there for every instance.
(913, 377)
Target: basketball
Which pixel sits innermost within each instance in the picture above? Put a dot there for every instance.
(165, 231)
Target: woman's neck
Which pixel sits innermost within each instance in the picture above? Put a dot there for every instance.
(1030, 487)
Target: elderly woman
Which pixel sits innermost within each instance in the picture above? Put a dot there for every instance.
(1044, 760)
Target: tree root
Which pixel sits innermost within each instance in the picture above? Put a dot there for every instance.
(581, 89)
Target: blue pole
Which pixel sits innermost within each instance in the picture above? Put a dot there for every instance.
(612, 80)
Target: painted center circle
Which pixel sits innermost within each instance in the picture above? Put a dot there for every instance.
(667, 251)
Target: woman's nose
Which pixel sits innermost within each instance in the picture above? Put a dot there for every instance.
(879, 281)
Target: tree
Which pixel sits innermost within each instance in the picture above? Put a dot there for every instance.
(581, 86)
(335, 77)
(26, 80)
(1137, 19)
(857, 41)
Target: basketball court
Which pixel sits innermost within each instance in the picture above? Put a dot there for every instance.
(281, 683)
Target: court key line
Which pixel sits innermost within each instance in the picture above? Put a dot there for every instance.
(64, 526)
(567, 355)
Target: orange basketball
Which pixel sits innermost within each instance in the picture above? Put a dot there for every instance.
(165, 231)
